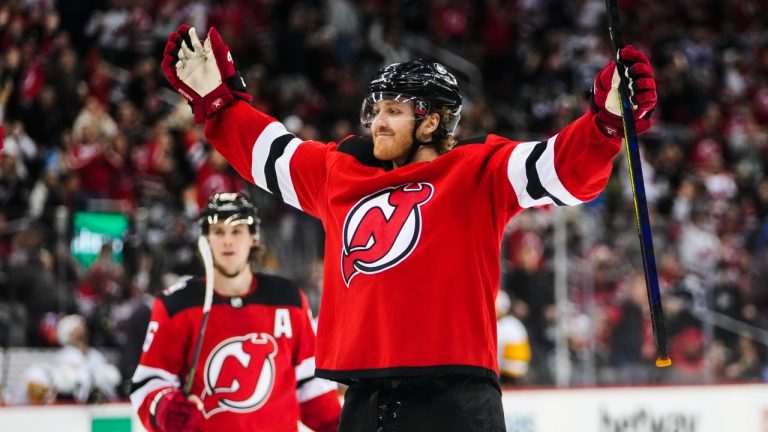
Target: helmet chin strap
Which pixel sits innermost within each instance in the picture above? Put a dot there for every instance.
(415, 143)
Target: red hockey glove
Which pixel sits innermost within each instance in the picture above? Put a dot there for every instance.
(231, 76)
(175, 413)
(198, 73)
(642, 91)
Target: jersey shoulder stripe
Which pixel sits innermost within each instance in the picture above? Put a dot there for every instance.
(274, 290)
(186, 293)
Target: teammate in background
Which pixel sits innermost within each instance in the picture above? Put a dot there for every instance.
(256, 367)
(514, 350)
(413, 223)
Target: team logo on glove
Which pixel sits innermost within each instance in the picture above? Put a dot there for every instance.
(383, 229)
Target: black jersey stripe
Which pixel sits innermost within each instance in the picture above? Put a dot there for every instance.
(270, 166)
(137, 385)
(534, 188)
(304, 381)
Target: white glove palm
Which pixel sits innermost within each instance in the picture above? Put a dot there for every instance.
(199, 71)
(197, 66)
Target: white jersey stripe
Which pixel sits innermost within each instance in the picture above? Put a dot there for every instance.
(545, 166)
(283, 170)
(517, 177)
(306, 369)
(545, 169)
(314, 388)
(260, 152)
(158, 378)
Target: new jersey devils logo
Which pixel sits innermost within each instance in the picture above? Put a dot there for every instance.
(239, 374)
(382, 229)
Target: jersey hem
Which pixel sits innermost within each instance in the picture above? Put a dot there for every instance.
(347, 376)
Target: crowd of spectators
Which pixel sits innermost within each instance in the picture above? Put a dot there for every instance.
(89, 124)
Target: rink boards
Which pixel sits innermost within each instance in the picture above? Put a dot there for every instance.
(742, 408)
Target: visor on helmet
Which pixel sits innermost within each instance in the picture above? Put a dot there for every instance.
(371, 105)
(231, 209)
(235, 219)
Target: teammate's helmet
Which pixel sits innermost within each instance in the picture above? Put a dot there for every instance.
(231, 208)
(430, 86)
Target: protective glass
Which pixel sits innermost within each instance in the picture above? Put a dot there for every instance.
(372, 106)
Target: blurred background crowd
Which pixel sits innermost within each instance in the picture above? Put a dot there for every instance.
(90, 127)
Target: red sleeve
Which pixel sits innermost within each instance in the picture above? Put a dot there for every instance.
(318, 398)
(569, 168)
(263, 152)
(233, 132)
(161, 364)
(321, 414)
(584, 157)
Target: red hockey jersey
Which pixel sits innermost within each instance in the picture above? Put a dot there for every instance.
(412, 253)
(256, 367)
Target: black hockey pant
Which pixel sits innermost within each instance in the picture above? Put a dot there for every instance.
(454, 403)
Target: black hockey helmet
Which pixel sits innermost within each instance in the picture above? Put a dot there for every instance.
(232, 208)
(429, 85)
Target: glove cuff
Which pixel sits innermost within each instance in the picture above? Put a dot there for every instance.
(211, 103)
(236, 85)
(610, 125)
(216, 100)
(154, 405)
(613, 126)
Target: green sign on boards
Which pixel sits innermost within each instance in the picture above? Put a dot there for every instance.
(91, 230)
(111, 424)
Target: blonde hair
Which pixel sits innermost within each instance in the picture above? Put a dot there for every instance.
(446, 143)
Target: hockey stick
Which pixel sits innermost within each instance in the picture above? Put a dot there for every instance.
(207, 256)
(638, 191)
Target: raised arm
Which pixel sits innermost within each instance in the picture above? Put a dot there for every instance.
(574, 166)
(254, 143)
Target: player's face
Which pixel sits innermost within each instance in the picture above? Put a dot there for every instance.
(231, 246)
(392, 129)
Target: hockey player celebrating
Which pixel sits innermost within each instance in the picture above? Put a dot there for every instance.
(256, 364)
(413, 223)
